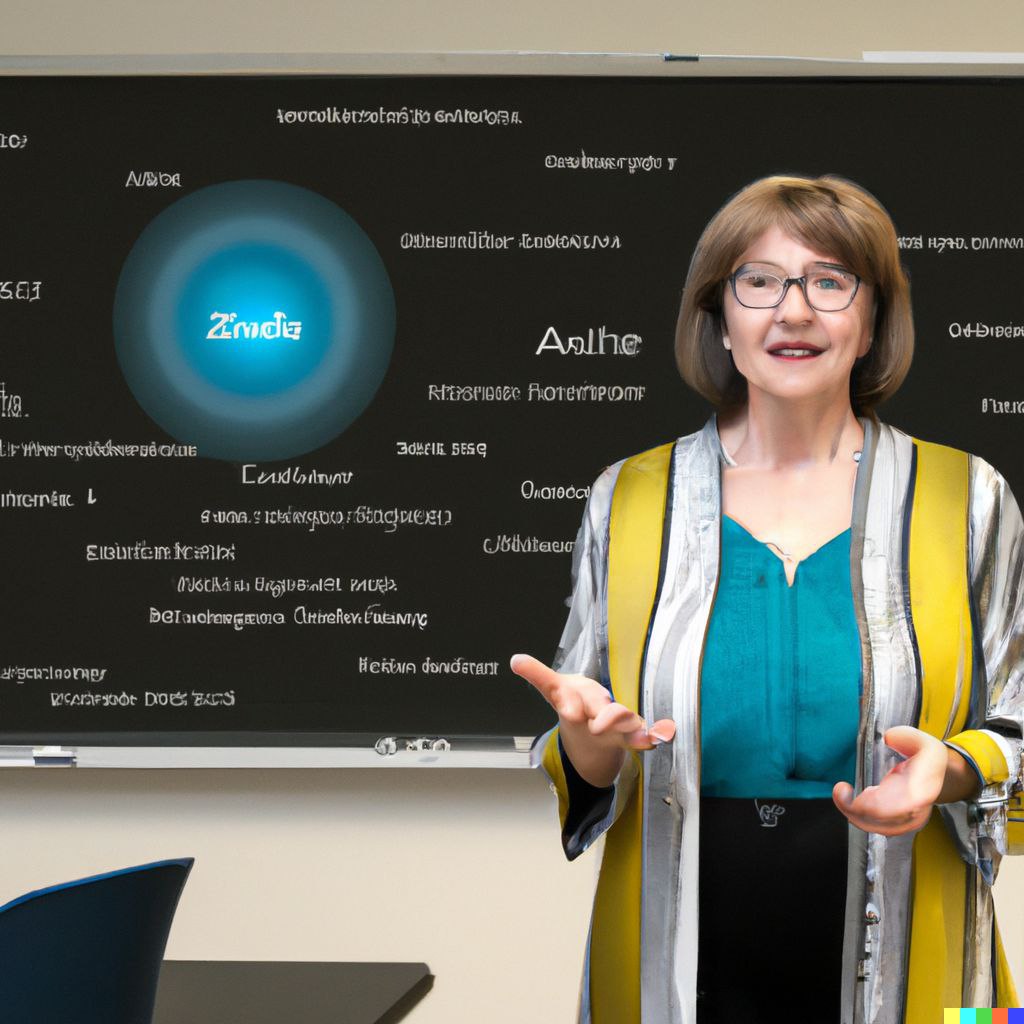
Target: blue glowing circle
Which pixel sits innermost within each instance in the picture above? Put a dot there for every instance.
(252, 301)
(254, 319)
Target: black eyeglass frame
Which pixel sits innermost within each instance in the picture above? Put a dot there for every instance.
(786, 282)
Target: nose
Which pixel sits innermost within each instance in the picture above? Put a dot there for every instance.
(794, 307)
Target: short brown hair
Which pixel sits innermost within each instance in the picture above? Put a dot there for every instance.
(829, 214)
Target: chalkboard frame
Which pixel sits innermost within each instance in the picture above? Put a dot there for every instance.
(289, 749)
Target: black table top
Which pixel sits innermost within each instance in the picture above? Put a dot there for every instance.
(272, 992)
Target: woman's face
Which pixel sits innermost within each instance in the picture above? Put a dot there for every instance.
(792, 351)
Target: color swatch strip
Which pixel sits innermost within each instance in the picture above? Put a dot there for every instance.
(964, 1015)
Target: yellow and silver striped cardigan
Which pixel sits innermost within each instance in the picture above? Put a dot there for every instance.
(938, 572)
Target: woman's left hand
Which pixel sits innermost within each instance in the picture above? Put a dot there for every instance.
(902, 802)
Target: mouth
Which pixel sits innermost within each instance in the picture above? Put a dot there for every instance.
(792, 350)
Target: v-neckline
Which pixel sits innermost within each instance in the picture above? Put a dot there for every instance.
(782, 562)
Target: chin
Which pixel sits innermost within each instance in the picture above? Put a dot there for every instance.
(794, 389)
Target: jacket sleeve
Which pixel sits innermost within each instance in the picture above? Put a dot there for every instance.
(586, 811)
(992, 823)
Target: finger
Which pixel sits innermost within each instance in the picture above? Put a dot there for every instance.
(536, 673)
(616, 718)
(919, 778)
(905, 739)
(851, 806)
(842, 796)
(550, 685)
(888, 826)
(663, 731)
(867, 805)
(639, 740)
(660, 733)
(873, 810)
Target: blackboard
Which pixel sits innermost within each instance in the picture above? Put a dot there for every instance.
(305, 379)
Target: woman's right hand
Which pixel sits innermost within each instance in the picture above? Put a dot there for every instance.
(595, 730)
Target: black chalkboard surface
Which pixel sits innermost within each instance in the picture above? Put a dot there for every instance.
(305, 379)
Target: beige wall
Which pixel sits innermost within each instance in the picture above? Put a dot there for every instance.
(459, 868)
(325, 26)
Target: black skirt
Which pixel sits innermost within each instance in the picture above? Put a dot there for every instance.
(772, 902)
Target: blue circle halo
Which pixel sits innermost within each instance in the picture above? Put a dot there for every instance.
(254, 319)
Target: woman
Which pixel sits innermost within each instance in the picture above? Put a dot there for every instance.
(799, 598)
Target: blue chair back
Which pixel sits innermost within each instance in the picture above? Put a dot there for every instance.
(89, 951)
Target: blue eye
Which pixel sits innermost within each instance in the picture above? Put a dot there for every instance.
(830, 281)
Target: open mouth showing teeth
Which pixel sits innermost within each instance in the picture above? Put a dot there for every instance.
(796, 353)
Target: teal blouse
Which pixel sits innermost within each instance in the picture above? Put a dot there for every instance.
(781, 675)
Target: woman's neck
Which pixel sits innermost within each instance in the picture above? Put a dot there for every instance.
(772, 433)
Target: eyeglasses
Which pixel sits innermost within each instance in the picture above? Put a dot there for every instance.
(826, 289)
